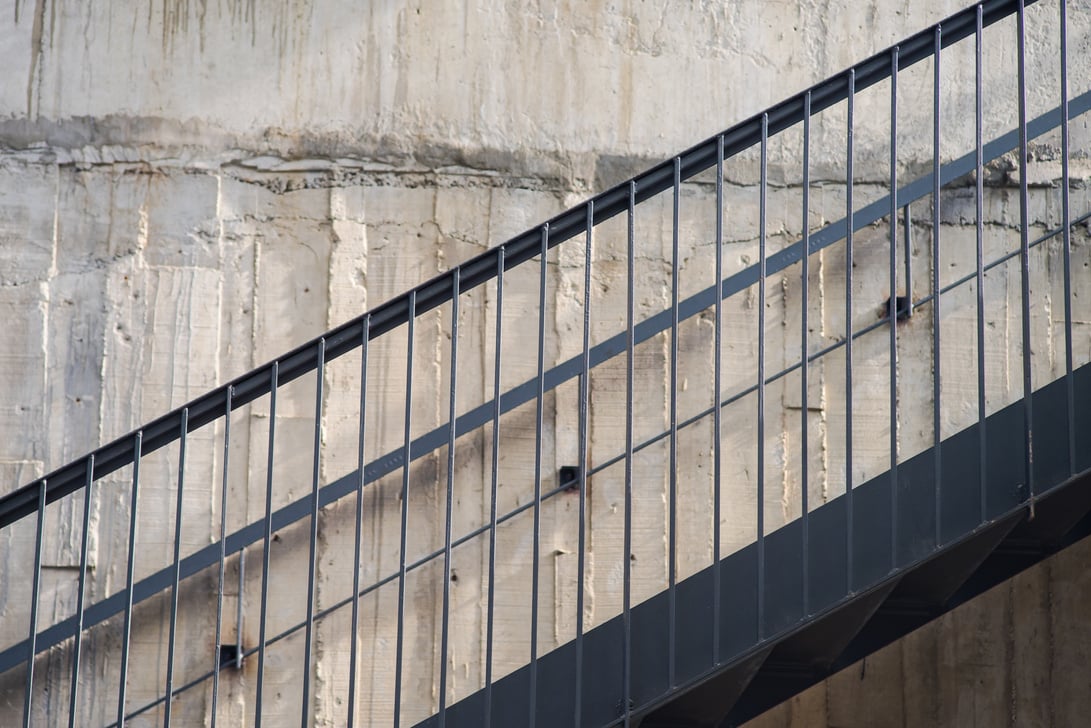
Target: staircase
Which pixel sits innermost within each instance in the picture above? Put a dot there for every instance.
(832, 467)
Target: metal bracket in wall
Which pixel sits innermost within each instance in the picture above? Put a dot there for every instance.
(230, 655)
(902, 308)
(569, 477)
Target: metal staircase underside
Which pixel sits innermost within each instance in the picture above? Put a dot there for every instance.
(983, 529)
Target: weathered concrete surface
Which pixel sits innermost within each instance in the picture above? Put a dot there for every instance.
(179, 206)
(410, 80)
(249, 272)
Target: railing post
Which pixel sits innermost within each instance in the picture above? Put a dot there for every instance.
(717, 410)
(539, 411)
(407, 459)
(584, 435)
(81, 588)
(36, 583)
(937, 432)
(312, 553)
(354, 635)
(452, 418)
(850, 544)
(672, 475)
(804, 360)
(1024, 262)
(627, 539)
(979, 194)
(217, 657)
(762, 274)
(893, 312)
(1067, 222)
(274, 375)
(494, 467)
(129, 570)
(184, 431)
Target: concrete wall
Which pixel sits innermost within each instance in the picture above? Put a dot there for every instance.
(187, 191)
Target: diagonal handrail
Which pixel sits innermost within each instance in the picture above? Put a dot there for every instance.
(482, 268)
(525, 392)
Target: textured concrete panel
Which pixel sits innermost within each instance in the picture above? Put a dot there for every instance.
(191, 191)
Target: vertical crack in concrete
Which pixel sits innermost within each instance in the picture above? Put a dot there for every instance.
(35, 53)
(787, 479)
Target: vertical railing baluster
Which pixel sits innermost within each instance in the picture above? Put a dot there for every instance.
(129, 570)
(1024, 261)
(850, 582)
(760, 595)
(717, 376)
(937, 433)
(354, 632)
(81, 588)
(979, 194)
(217, 657)
(452, 414)
(672, 500)
(627, 538)
(804, 362)
(238, 609)
(539, 410)
(36, 579)
(1066, 213)
(274, 375)
(490, 597)
(585, 397)
(892, 311)
(406, 460)
(177, 563)
(312, 561)
(907, 234)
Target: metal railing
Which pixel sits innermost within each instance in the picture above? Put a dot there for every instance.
(479, 428)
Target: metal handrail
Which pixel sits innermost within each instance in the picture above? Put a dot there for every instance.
(482, 268)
